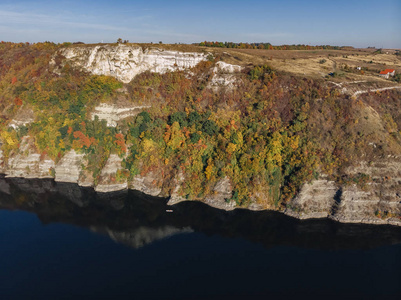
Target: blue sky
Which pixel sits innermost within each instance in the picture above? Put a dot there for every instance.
(336, 22)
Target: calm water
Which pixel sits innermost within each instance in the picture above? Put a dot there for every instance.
(58, 241)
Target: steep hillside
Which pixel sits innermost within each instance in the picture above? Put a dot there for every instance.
(209, 125)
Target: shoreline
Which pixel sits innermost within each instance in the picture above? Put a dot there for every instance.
(226, 206)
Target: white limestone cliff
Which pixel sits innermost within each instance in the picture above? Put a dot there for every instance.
(124, 62)
(223, 67)
(224, 75)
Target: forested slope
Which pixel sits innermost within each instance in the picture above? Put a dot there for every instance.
(252, 137)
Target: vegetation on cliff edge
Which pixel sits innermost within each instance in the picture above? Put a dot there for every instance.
(268, 135)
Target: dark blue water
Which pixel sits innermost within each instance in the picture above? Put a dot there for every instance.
(55, 246)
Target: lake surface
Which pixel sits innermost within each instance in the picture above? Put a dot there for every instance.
(59, 241)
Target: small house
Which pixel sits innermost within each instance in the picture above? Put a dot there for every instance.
(387, 73)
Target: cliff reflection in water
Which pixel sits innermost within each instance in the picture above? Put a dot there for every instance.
(135, 219)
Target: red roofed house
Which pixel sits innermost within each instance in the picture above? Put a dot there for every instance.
(387, 73)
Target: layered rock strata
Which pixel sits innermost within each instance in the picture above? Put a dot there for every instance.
(108, 177)
(376, 202)
(69, 167)
(112, 113)
(315, 200)
(28, 164)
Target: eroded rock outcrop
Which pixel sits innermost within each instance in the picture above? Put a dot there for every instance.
(30, 166)
(69, 167)
(224, 75)
(378, 201)
(27, 163)
(315, 200)
(113, 113)
(108, 177)
(124, 62)
(223, 67)
(86, 178)
(176, 196)
(222, 193)
(220, 197)
(149, 184)
(357, 206)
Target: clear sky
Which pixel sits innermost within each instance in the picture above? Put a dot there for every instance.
(336, 22)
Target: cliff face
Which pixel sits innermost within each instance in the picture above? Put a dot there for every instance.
(124, 62)
(26, 163)
(375, 203)
(148, 184)
(224, 76)
(69, 167)
(222, 192)
(108, 181)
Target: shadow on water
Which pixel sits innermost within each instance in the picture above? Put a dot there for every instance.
(135, 219)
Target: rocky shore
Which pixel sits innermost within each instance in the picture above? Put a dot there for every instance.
(378, 202)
